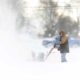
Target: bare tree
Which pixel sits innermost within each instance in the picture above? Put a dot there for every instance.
(49, 16)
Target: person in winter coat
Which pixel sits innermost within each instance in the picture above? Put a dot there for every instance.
(64, 46)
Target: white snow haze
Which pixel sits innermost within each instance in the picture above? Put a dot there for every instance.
(19, 54)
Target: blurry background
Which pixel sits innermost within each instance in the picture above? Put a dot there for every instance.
(24, 23)
(46, 17)
(26, 29)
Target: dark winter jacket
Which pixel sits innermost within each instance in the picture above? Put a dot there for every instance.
(64, 48)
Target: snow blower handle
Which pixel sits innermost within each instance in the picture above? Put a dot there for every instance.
(52, 48)
(50, 51)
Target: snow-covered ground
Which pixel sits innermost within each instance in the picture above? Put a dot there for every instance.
(17, 59)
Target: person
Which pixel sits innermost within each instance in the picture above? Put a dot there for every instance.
(64, 46)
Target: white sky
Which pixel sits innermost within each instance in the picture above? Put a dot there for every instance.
(33, 4)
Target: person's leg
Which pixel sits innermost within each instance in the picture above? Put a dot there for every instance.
(63, 57)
